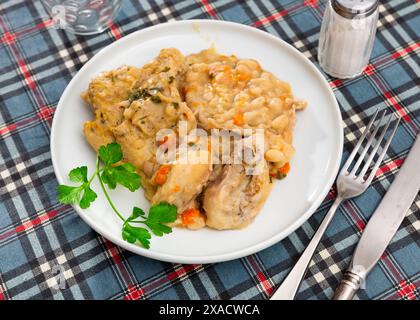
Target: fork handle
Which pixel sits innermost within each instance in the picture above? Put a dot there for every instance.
(290, 285)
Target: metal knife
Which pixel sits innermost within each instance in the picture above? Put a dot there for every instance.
(383, 224)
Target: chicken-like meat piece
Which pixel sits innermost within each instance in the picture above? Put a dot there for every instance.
(156, 105)
(180, 184)
(111, 87)
(98, 132)
(105, 95)
(235, 198)
(183, 183)
(132, 105)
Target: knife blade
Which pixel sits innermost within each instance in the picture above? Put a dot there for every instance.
(383, 224)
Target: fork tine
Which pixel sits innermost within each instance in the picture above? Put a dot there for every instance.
(369, 143)
(375, 149)
(359, 143)
(382, 155)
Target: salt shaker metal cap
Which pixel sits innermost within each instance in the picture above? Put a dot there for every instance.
(347, 35)
(353, 8)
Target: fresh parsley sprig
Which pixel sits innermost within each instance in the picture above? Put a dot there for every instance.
(111, 174)
(158, 215)
(82, 195)
(123, 174)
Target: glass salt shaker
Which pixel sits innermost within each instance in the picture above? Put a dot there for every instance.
(347, 34)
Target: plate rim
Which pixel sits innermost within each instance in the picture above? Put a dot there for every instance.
(217, 257)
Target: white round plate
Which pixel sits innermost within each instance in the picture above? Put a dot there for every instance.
(318, 140)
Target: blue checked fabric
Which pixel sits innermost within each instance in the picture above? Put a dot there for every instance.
(40, 238)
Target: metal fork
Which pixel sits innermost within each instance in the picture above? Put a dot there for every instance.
(351, 182)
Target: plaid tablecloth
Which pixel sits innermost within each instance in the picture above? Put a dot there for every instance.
(40, 238)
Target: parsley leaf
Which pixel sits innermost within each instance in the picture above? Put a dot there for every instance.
(88, 197)
(132, 234)
(110, 154)
(137, 212)
(163, 212)
(69, 194)
(81, 195)
(79, 174)
(159, 215)
(124, 174)
(158, 228)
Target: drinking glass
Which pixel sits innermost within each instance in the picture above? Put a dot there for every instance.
(83, 17)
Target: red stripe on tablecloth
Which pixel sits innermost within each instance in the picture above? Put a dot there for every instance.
(8, 38)
(133, 293)
(279, 14)
(400, 110)
(41, 217)
(41, 25)
(113, 251)
(24, 70)
(181, 271)
(155, 284)
(116, 257)
(270, 18)
(358, 220)
(311, 3)
(392, 267)
(38, 220)
(8, 128)
(115, 31)
(335, 83)
(394, 294)
(7, 234)
(260, 275)
(264, 283)
(388, 167)
(13, 126)
(209, 8)
(369, 69)
(45, 113)
(45, 24)
(28, 78)
(406, 50)
(360, 225)
(407, 290)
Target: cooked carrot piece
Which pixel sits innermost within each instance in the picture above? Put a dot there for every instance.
(285, 169)
(162, 174)
(238, 119)
(189, 215)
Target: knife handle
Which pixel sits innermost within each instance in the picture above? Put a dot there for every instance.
(349, 285)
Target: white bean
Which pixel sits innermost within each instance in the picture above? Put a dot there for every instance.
(274, 155)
